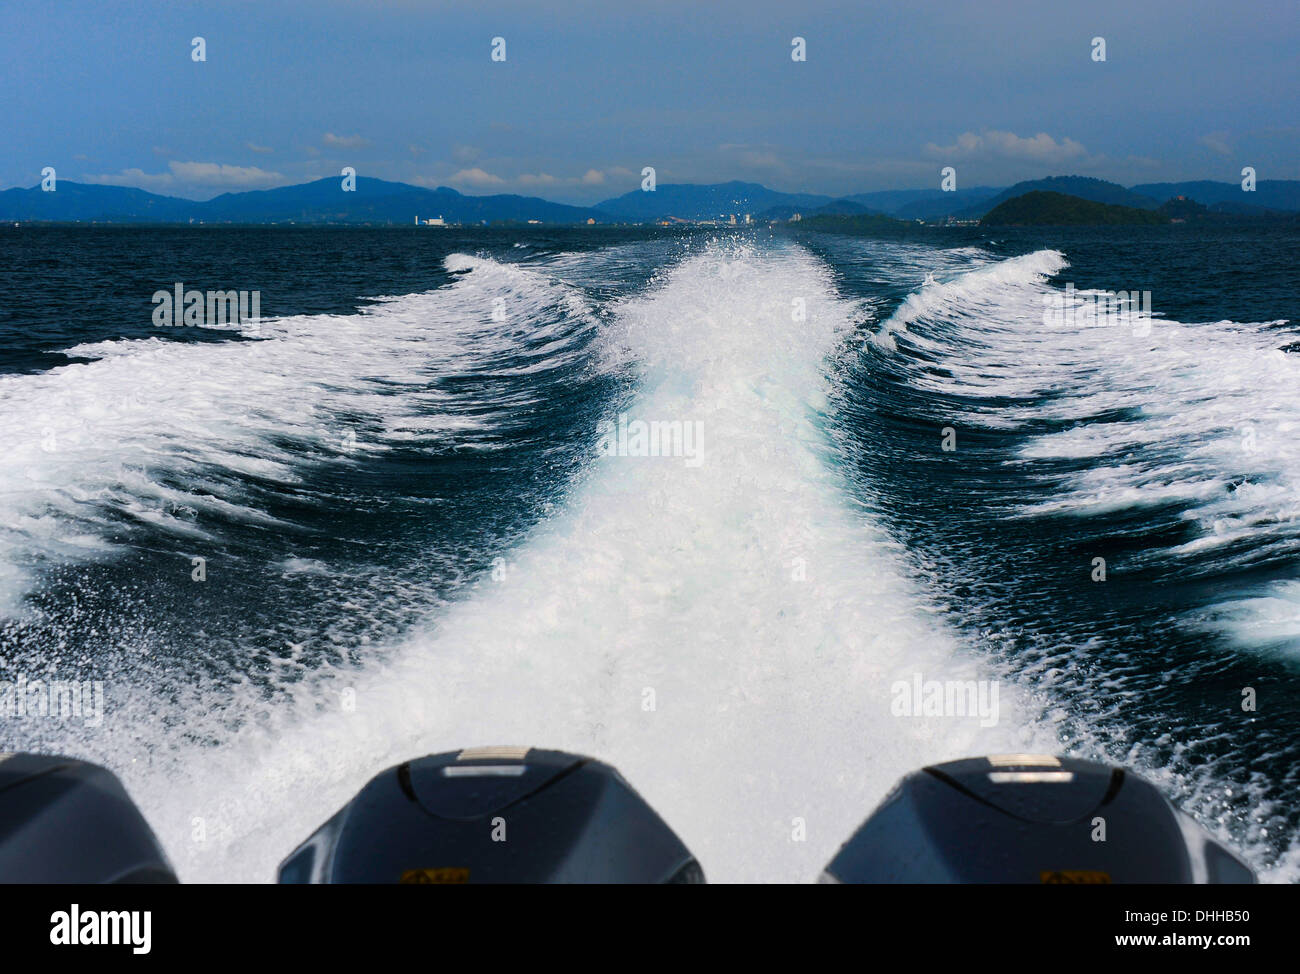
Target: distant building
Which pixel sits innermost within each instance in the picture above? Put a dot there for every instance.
(749, 218)
(796, 218)
(591, 221)
(435, 222)
(534, 221)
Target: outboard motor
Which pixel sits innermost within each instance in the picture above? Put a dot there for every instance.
(1029, 818)
(66, 821)
(494, 815)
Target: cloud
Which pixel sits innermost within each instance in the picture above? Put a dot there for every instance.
(344, 141)
(994, 144)
(761, 156)
(254, 147)
(592, 177)
(464, 154)
(195, 174)
(475, 177)
(219, 174)
(1218, 141)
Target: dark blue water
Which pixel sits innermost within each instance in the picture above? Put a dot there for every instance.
(415, 423)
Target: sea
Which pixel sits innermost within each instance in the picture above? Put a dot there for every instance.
(706, 503)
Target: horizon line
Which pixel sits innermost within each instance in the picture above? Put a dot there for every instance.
(590, 206)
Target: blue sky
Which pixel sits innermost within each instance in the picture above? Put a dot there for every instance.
(590, 93)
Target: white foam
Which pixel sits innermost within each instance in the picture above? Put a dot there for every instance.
(1147, 413)
(1202, 415)
(93, 448)
(772, 695)
(1270, 619)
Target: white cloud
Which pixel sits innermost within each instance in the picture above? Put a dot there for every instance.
(254, 147)
(343, 141)
(195, 174)
(762, 156)
(219, 174)
(1040, 148)
(1218, 141)
(475, 177)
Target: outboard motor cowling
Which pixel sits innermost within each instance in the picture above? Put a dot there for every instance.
(494, 815)
(1027, 818)
(67, 821)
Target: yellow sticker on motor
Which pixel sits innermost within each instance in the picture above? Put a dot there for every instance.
(1073, 876)
(447, 874)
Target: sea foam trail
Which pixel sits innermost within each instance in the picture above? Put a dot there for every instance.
(1115, 417)
(170, 434)
(1146, 413)
(771, 683)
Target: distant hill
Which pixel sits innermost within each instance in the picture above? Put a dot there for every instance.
(1044, 208)
(866, 223)
(84, 201)
(1231, 213)
(1245, 209)
(842, 207)
(380, 201)
(712, 201)
(1081, 187)
(925, 204)
(1269, 194)
(322, 201)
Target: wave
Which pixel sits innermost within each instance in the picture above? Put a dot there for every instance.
(185, 437)
(727, 633)
(1165, 445)
(1121, 417)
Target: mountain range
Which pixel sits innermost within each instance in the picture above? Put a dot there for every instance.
(1047, 208)
(321, 201)
(377, 201)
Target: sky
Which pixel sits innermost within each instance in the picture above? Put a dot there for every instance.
(590, 93)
